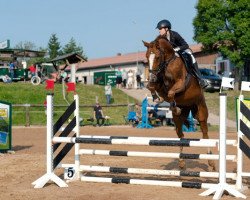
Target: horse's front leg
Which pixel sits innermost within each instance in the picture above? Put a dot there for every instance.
(153, 86)
(177, 87)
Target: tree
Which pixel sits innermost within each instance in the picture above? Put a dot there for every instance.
(54, 46)
(72, 47)
(223, 25)
(26, 45)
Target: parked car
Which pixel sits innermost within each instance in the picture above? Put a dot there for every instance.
(19, 74)
(213, 79)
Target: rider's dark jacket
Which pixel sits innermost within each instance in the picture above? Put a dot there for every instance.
(177, 41)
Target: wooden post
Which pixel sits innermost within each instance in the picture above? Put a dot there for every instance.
(27, 114)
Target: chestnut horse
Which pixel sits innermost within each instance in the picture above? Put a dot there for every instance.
(173, 83)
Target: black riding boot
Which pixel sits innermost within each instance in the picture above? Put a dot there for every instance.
(203, 83)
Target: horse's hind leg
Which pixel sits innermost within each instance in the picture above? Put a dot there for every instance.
(178, 125)
(202, 118)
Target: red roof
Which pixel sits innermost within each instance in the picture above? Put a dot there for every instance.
(124, 58)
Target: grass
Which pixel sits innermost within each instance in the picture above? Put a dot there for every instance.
(212, 100)
(25, 93)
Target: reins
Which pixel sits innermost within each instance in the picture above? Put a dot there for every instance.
(163, 64)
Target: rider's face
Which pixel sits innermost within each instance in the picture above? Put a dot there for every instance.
(163, 31)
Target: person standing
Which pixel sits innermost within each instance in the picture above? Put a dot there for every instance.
(63, 76)
(118, 78)
(32, 69)
(11, 70)
(138, 79)
(124, 78)
(98, 115)
(108, 93)
(130, 79)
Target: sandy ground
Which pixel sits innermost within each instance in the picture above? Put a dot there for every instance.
(27, 164)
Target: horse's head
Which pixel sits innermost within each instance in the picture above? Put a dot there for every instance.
(158, 54)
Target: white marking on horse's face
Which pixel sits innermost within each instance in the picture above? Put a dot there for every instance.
(151, 60)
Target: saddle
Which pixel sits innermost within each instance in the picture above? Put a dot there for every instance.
(187, 59)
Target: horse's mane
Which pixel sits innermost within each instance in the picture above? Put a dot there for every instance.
(161, 37)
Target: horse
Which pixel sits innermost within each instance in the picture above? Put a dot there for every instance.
(173, 83)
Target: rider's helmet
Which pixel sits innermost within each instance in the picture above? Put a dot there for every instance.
(163, 24)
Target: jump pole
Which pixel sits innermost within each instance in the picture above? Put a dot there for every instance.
(50, 175)
(239, 152)
(222, 186)
(77, 145)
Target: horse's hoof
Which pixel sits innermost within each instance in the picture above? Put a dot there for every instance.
(182, 164)
(211, 163)
(159, 100)
(171, 94)
(176, 111)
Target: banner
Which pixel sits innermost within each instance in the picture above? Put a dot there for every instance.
(5, 126)
(227, 82)
(245, 86)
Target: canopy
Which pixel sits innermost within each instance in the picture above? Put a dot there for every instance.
(70, 58)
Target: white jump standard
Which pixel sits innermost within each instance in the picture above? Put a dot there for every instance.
(68, 141)
(222, 186)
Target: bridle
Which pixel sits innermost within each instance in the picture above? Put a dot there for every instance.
(163, 63)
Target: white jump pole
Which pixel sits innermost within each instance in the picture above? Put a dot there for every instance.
(73, 73)
(77, 145)
(49, 176)
(239, 152)
(222, 186)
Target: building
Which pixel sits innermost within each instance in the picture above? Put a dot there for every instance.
(136, 62)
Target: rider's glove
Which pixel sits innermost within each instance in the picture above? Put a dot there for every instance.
(176, 49)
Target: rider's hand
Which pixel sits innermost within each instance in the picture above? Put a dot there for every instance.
(176, 49)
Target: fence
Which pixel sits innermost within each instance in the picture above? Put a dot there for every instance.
(35, 114)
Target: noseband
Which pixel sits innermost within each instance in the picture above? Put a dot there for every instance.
(163, 63)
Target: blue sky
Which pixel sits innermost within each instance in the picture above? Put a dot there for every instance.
(102, 27)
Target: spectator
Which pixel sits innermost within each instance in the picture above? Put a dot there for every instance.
(138, 112)
(98, 115)
(118, 78)
(124, 78)
(108, 93)
(152, 116)
(130, 79)
(63, 76)
(11, 70)
(6, 79)
(32, 69)
(138, 79)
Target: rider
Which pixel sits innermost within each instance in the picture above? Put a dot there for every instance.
(179, 43)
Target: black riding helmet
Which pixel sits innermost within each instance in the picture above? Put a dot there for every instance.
(163, 24)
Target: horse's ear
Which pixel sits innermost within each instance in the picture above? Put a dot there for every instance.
(146, 44)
